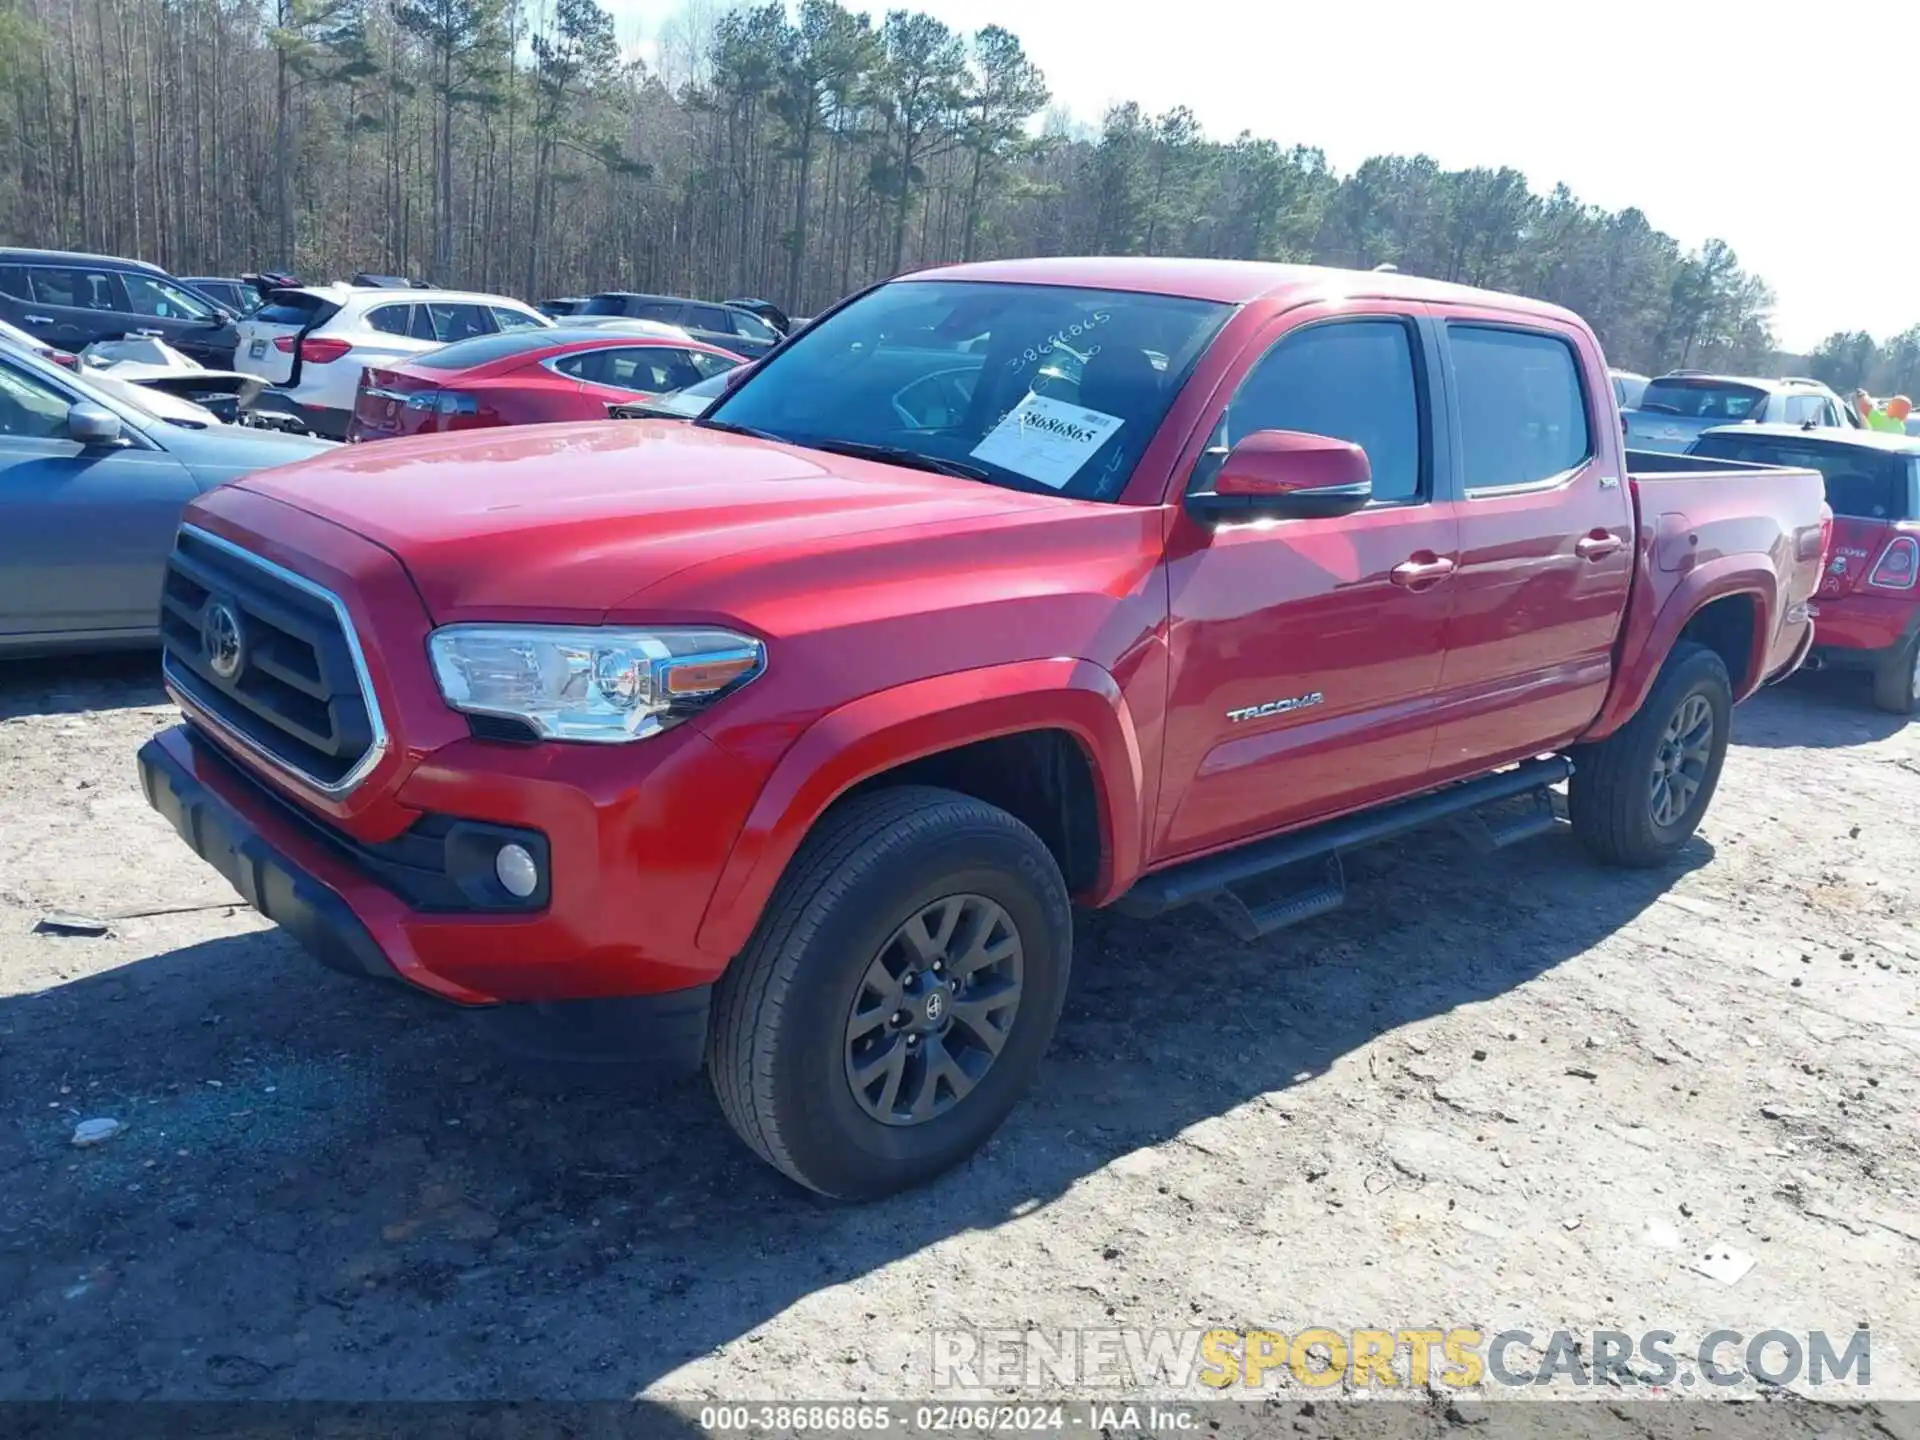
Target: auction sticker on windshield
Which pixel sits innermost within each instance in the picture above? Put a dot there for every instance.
(1046, 440)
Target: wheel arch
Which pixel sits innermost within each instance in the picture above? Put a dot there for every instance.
(1728, 605)
(1051, 741)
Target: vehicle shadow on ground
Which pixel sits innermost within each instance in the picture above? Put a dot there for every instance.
(327, 1189)
(1826, 710)
(74, 684)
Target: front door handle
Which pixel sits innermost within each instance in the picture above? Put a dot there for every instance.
(39, 319)
(1421, 571)
(1596, 546)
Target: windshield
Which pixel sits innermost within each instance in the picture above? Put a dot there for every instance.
(1716, 400)
(1862, 484)
(1034, 387)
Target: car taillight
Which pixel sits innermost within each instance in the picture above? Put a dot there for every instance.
(1897, 566)
(64, 359)
(322, 352)
(443, 402)
(283, 343)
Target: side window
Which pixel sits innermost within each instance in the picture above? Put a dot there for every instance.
(586, 365)
(514, 319)
(751, 327)
(391, 319)
(1351, 379)
(458, 322)
(1805, 409)
(422, 328)
(147, 296)
(13, 281)
(1523, 415)
(667, 312)
(75, 289)
(713, 318)
(708, 365)
(29, 409)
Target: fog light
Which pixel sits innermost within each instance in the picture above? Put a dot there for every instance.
(516, 870)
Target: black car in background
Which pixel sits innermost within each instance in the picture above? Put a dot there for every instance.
(726, 326)
(70, 300)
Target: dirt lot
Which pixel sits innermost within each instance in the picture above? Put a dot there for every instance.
(1505, 1091)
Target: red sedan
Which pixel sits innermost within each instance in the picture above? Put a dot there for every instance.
(527, 377)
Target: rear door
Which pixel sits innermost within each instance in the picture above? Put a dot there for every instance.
(1335, 626)
(1546, 532)
(73, 305)
(84, 530)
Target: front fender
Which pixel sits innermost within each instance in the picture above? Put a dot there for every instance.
(886, 729)
(1652, 630)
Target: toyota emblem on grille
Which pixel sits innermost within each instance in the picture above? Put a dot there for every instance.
(223, 639)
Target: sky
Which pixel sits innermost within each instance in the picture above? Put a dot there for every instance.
(1786, 129)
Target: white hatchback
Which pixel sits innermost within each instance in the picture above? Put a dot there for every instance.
(311, 343)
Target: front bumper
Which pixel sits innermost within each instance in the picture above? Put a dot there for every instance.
(559, 1000)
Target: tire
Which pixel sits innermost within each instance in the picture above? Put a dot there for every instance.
(859, 902)
(1616, 801)
(1896, 683)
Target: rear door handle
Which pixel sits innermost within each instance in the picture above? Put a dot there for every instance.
(1596, 546)
(39, 319)
(1421, 570)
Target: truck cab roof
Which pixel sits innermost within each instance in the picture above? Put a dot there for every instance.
(1235, 282)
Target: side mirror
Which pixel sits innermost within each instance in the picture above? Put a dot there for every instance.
(1287, 474)
(92, 424)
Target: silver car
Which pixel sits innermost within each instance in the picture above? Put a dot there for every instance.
(91, 490)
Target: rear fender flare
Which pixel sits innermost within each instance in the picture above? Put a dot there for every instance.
(881, 731)
(1646, 652)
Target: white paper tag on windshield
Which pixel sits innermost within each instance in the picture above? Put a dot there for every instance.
(1046, 440)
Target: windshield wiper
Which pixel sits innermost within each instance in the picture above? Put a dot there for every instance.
(899, 455)
(730, 428)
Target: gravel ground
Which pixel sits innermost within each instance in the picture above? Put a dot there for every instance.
(1498, 1091)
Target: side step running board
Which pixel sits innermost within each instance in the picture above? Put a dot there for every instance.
(1259, 888)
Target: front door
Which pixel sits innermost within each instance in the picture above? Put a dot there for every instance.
(1305, 652)
(84, 530)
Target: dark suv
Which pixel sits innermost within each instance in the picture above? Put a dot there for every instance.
(726, 326)
(71, 300)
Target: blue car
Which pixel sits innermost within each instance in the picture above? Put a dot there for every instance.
(92, 483)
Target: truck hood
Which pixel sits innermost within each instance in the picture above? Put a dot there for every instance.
(557, 521)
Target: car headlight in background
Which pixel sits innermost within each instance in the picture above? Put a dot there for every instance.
(601, 684)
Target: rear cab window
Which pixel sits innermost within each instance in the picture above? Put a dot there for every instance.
(1726, 401)
(1523, 410)
(1862, 483)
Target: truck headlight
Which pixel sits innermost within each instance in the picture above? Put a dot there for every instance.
(601, 684)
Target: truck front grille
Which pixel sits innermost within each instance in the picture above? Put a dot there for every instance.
(270, 658)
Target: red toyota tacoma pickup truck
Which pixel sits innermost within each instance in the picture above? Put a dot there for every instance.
(785, 741)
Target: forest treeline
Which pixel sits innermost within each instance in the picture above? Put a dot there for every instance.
(789, 152)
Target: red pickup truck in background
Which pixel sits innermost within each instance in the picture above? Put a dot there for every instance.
(782, 741)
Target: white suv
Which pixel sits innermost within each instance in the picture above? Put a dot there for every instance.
(311, 343)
